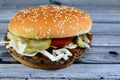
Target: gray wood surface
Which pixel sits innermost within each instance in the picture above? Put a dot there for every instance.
(104, 3)
(98, 71)
(101, 62)
(98, 15)
(84, 3)
(22, 3)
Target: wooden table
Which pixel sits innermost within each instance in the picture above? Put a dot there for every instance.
(102, 61)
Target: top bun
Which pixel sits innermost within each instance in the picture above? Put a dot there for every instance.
(50, 22)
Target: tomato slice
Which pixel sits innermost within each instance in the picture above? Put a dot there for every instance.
(61, 42)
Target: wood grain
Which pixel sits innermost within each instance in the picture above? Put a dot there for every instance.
(74, 71)
(98, 15)
(106, 3)
(101, 62)
(94, 3)
(12, 78)
(20, 4)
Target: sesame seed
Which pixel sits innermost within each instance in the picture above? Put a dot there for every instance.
(55, 26)
(22, 22)
(34, 16)
(23, 27)
(77, 24)
(61, 36)
(48, 37)
(54, 20)
(62, 32)
(32, 29)
(57, 31)
(44, 35)
(45, 22)
(35, 20)
(40, 27)
(75, 28)
(32, 20)
(60, 27)
(15, 30)
(49, 30)
(60, 15)
(44, 18)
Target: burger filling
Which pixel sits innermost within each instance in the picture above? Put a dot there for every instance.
(30, 47)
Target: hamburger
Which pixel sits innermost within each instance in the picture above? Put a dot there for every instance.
(49, 37)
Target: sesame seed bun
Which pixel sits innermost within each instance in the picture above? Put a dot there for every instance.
(50, 22)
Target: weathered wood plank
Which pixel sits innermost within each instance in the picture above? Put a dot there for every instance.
(3, 28)
(106, 29)
(64, 79)
(79, 70)
(107, 40)
(106, 17)
(6, 14)
(102, 61)
(94, 55)
(20, 4)
(93, 3)
(13, 75)
(49, 79)
(98, 15)
(101, 55)
(12, 79)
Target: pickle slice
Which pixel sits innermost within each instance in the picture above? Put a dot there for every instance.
(11, 36)
(16, 38)
(82, 41)
(86, 39)
(32, 45)
(39, 44)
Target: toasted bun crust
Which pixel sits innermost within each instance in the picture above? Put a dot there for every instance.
(50, 22)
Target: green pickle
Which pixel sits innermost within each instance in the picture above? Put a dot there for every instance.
(32, 45)
(30, 50)
(12, 37)
(16, 38)
(82, 41)
(40, 44)
(86, 39)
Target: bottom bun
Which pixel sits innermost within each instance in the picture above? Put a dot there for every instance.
(41, 61)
